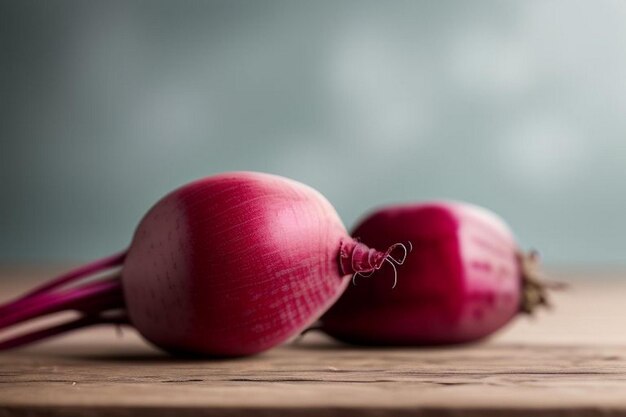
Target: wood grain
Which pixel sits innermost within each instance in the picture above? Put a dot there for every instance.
(571, 361)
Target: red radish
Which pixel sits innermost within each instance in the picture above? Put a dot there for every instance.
(464, 278)
(228, 265)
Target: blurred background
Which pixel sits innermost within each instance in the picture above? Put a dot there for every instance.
(516, 106)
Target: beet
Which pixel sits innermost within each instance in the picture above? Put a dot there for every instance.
(464, 278)
(228, 265)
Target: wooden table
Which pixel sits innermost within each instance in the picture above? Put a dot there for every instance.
(571, 361)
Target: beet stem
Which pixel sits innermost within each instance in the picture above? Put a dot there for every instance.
(56, 330)
(535, 288)
(75, 274)
(91, 297)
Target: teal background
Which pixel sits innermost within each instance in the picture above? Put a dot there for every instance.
(516, 106)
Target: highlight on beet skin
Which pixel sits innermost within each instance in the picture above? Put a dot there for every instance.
(464, 278)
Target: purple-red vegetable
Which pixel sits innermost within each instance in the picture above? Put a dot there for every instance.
(228, 265)
(464, 278)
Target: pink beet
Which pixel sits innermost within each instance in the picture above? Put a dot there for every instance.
(227, 265)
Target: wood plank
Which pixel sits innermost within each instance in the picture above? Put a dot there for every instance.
(570, 361)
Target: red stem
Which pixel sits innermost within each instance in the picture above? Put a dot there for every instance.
(58, 329)
(78, 273)
(91, 297)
